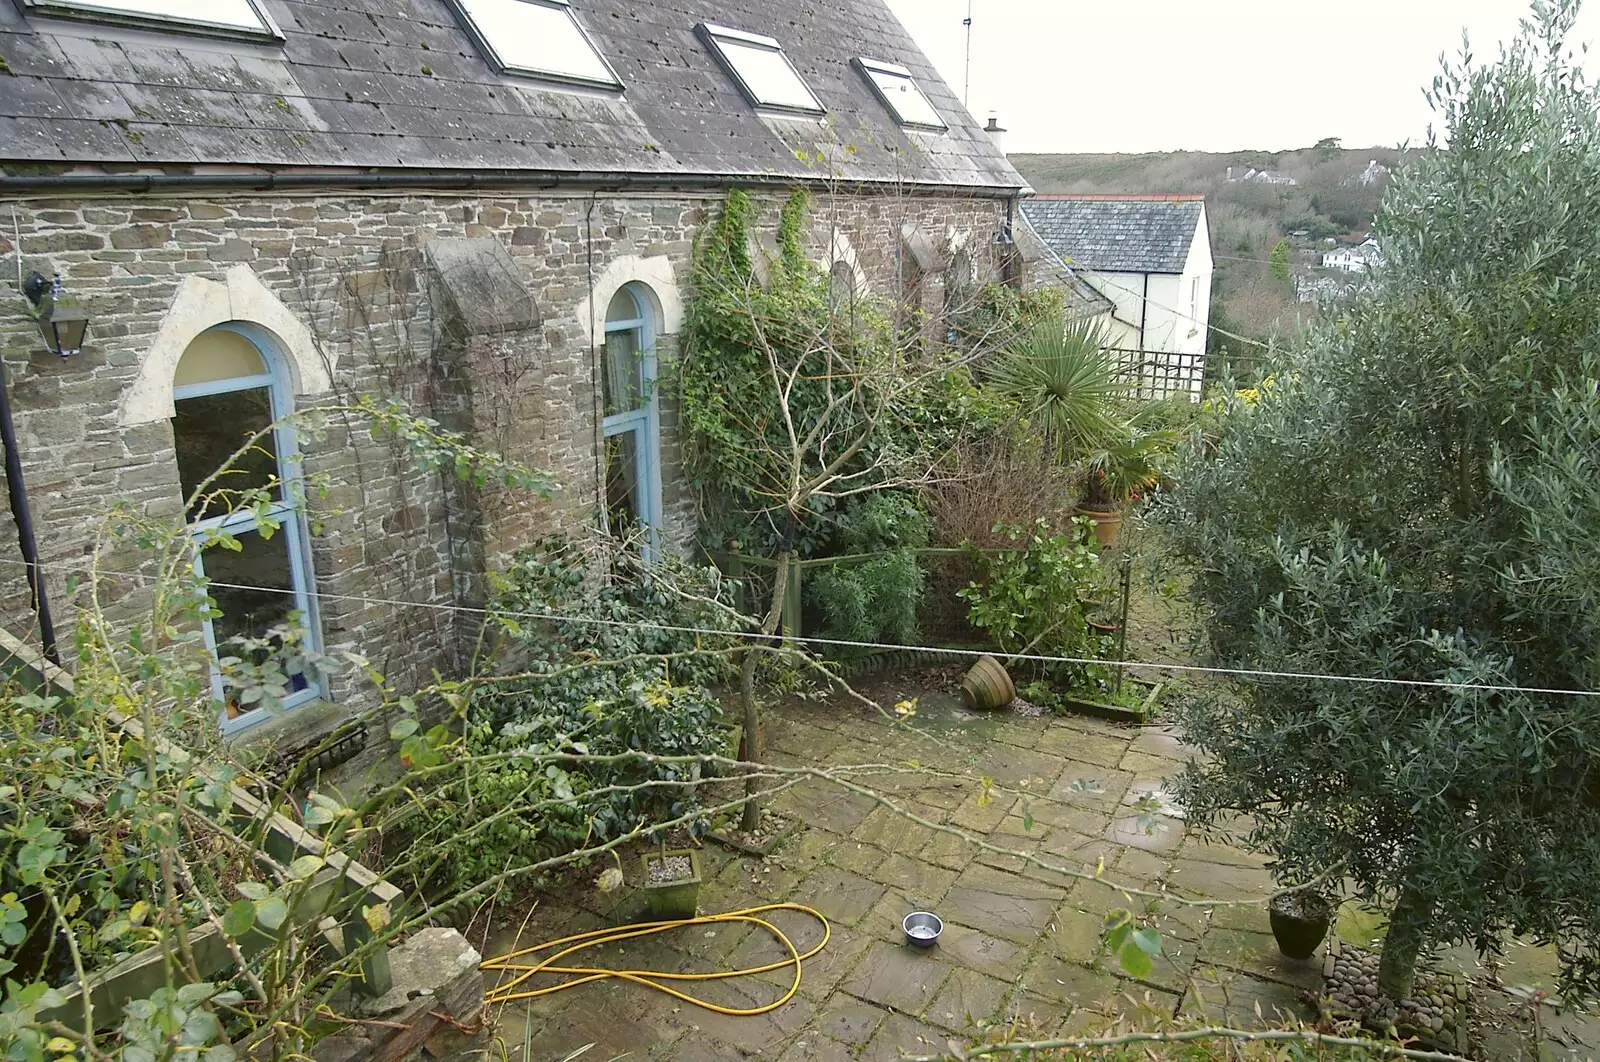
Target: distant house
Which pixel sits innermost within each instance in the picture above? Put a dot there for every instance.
(1375, 173)
(1358, 259)
(1319, 288)
(1251, 175)
(1151, 256)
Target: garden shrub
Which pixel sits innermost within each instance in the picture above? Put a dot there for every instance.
(1412, 505)
(999, 313)
(738, 454)
(877, 599)
(618, 673)
(1035, 598)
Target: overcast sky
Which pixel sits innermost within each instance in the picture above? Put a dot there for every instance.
(1208, 75)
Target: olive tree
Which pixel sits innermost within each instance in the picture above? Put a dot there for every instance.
(1413, 501)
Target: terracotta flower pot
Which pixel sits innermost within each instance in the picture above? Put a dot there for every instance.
(987, 686)
(1107, 524)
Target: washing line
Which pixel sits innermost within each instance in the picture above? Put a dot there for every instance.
(892, 647)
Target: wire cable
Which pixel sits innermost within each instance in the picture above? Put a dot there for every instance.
(512, 991)
(891, 647)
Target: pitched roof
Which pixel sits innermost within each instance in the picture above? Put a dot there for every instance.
(398, 84)
(1046, 268)
(1118, 234)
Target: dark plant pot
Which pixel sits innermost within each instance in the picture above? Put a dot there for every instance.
(1299, 923)
(677, 899)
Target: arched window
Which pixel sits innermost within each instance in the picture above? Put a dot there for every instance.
(842, 288)
(632, 417)
(230, 384)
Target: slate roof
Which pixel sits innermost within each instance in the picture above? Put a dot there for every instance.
(1118, 234)
(397, 84)
(1046, 268)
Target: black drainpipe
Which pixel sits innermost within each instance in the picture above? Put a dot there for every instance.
(1144, 312)
(24, 517)
(1010, 274)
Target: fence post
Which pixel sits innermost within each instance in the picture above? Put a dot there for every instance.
(735, 572)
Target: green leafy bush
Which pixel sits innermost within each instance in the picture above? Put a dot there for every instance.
(522, 808)
(618, 672)
(1035, 598)
(867, 601)
(1413, 504)
(999, 313)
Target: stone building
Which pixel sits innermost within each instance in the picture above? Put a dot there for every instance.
(483, 208)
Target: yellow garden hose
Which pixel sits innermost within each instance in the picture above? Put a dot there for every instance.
(511, 991)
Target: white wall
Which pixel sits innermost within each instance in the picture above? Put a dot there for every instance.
(1173, 310)
(1195, 288)
(1125, 290)
(1148, 300)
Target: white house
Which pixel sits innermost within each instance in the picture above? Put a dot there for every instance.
(1151, 256)
(1358, 259)
(1251, 175)
(1375, 173)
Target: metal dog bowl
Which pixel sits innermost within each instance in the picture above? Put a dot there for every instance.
(922, 929)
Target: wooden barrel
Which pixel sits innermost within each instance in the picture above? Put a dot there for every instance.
(987, 686)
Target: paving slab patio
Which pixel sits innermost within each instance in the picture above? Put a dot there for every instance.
(1050, 802)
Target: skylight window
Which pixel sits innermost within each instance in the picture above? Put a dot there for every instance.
(765, 74)
(223, 18)
(537, 38)
(899, 92)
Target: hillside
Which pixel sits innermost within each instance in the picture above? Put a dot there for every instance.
(1327, 201)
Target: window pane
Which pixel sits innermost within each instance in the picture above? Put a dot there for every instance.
(623, 369)
(218, 355)
(538, 38)
(624, 307)
(623, 482)
(224, 14)
(905, 99)
(263, 565)
(767, 75)
(207, 430)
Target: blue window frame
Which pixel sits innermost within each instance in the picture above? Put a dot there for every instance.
(632, 425)
(229, 385)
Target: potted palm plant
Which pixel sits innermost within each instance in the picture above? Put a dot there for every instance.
(1128, 464)
(1065, 383)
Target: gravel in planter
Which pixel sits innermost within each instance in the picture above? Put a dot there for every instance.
(1436, 1013)
(672, 868)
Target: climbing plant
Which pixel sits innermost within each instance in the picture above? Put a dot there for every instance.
(789, 405)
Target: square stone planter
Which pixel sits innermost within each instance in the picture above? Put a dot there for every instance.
(676, 897)
(1116, 713)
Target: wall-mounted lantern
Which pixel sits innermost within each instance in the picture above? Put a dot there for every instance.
(62, 321)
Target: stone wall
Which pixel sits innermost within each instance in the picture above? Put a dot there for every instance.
(435, 1011)
(353, 286)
